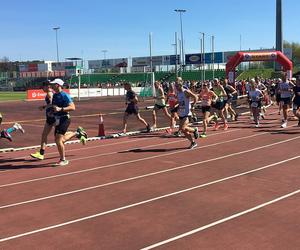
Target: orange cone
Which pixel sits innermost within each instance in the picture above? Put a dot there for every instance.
(101, 131)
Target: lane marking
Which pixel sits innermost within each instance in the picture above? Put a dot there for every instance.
(156, 199)
(215, 223)
(124, 162)
(157, 173)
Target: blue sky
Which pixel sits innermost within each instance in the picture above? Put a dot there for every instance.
(122, 27)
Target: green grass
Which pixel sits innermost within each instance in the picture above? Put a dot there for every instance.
(12, 96)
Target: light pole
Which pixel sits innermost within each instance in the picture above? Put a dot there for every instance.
(180, 11)
(203, 53)
(104, 51)
(56, 29)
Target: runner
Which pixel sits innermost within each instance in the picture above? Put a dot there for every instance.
(219, 104)
(160, 103)
(50, 121)
(262, 87)
(206, 97)
(255, 96)
(132, 108)
(230, 92)
(6, 133)
(62, 104)
(285, 90)
(296, 100)
(184, 112)
(173, 105)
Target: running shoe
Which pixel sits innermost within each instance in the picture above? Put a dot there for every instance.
(284, 125)
(215, 117)
(18, 126)
(61, 163)
(216, 126)
(196, 133)
(177, 134)
(257, 124)
(225, 126)
(148, 128)
(203, 135)
(6, 135)
(38, 156)
(169, 130)
(82, 135)
(193, 145)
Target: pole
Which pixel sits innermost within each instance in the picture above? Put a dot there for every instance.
(180, 11)
(279, 44)
(56, 29)
(203, 49)
(150, 50)
(176, 54)
(79, 83)
(213, 54)
(201, 62)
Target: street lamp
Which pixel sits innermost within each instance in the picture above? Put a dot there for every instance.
(104, 51)
(180, 11)
(203, 53)
(56, 29)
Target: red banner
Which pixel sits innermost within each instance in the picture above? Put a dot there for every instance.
(39, 94)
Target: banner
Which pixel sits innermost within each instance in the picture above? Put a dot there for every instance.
(260, 56)
(108, 63)
(39, 94)
(193, 59)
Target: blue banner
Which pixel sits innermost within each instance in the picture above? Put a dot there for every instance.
(193, 58)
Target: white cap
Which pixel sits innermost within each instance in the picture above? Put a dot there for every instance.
(294, 79)
(58, 81)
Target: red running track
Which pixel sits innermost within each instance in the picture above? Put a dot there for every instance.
(239, 189)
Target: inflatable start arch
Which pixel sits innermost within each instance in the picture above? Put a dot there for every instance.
(257, 56)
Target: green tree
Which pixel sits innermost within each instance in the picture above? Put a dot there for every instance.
(296, 51)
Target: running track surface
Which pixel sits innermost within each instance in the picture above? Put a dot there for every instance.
(239, 189)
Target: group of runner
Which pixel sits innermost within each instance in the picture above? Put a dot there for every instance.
(181, 99)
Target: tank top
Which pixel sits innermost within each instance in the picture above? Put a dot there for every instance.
(284, 88)
(184, 108)
(218, 92)
(206, 98)
(160, 101)
(172, 99)
(254, 95)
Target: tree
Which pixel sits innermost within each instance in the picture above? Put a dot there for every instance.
(295, 49)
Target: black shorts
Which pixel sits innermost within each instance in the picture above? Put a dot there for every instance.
(62, 124)
(205, 109)
(219, 105)
(286, 101)
(278, 99)
(184, 117)
(157, 106)
(296, 106)
(50, 120)
(132, 109)
(174, 110)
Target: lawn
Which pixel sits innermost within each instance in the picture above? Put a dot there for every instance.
(11, 96)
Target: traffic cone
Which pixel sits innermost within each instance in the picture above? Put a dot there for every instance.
(101, 131)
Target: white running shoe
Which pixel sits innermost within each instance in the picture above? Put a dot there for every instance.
(284, 125)
(18, 126)
(61, 163)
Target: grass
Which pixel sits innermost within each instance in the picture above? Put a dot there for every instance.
(12, 96)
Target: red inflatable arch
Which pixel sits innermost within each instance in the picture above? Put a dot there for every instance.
(257, 56)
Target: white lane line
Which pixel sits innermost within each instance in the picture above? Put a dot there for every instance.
(160, 198)
(123, 142)
(215, 223)
(161, 172)
(125, 162)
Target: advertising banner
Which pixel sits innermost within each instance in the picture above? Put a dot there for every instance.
(260, 56)
(39, 94)
(108, 63)
(193, 58)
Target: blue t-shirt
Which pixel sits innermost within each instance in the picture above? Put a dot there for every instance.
(62, 100)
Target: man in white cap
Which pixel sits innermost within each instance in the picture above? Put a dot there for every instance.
(62, 104)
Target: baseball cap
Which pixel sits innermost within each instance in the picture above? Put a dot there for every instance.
(58, 81)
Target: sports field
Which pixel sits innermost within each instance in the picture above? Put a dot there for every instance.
(11, 96)
(239, 189)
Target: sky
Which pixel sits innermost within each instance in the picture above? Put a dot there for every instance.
(122, 27)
